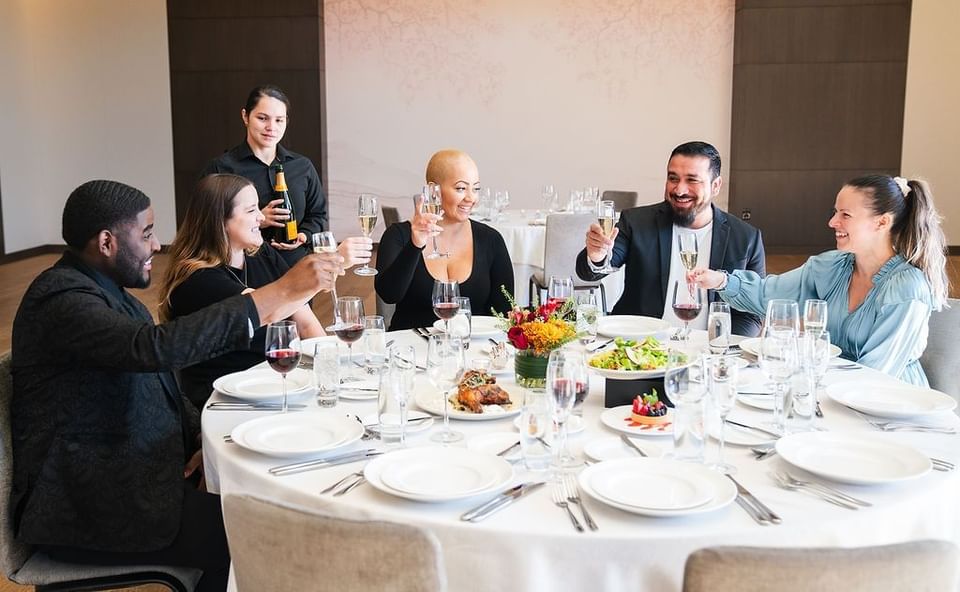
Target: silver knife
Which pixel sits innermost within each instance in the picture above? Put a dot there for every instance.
(750, 498)
(498, 503)
(232, 404)
(321, 463)
(754, 428)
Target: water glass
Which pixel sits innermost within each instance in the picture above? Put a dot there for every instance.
(326, 370)
(536, 422)
(587, 315)
(461, 325)
(391, 399)
(814, 316)
(684, 386)
(374, 343)
(718, 327)
(722, 384)
(801, 405)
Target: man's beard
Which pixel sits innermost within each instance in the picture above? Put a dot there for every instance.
(685, 218)
(129, 270)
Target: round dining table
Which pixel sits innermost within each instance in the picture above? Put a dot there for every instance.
(531, 544)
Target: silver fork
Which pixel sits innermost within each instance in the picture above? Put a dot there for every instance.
(785, 483)
(342, 481)
(560, 499)
(824, 488)
(573, 496)
(942, 465)
(894, 426)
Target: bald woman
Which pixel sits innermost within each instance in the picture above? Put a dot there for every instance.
(478, 258)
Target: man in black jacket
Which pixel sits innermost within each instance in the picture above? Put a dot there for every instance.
(646, 239)
(105, 447)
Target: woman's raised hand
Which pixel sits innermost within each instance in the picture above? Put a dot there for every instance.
(423, 225)
(356, 250)
(706, 278)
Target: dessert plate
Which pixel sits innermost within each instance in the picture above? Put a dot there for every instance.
(860, 459)
(618, 419)
(295, 434)
(895, 401)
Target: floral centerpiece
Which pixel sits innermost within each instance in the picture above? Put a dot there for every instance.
(535, 332)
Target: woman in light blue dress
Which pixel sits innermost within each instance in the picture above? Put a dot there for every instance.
(887, 274)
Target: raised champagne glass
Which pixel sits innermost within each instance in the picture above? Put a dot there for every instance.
(367, 211)
(324, 242)
(433, 204)
(607, 219)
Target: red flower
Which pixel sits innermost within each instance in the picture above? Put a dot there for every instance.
(546, 310)
(517, 338)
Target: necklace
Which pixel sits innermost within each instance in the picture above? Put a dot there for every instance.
(243, 282)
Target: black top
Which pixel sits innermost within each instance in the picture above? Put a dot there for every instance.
(644, 246)
(97, 425)
(303, 186)
(403, 278)
(213, 284)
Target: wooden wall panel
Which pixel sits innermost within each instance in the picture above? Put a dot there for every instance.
(818, 95)
(219, 50)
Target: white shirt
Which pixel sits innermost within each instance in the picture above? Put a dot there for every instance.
(679, 274)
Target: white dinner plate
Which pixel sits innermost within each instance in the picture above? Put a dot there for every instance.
(308, 346)
(762, 402)
(630, 326)
(885, 399)
(618, 418)
(263, 384)
(296, 434)
(575, 424)
(661, 486)
(438, 474)
(480, 327)
(861, 459)
(431, 401)
(613, 448)
(752, 347)
(718, 490)
(373, 422)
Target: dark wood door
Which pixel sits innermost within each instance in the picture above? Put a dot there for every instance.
(818, 95)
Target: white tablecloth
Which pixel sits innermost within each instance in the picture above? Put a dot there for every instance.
(525, 243)
(531, 545)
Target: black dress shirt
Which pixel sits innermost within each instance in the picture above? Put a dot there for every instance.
(303, 186)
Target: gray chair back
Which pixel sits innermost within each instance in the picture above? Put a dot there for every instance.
(920, 566)
(941, 359)
(277, 547)
(385, 310)
(22, 565)
(622, 199)
(391, 215)
(565, 235)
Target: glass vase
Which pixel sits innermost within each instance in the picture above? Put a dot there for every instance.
(531, 369)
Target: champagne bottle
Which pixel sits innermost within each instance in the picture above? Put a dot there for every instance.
(287, 234)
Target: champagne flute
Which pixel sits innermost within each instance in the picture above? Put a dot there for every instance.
(606, 217)
(324, 242)
(814, 316)
(688, 249)
(722, 385)
(350, 326)
(282, 350)
(686, 305)
(367, 212)
(815, 359)
(404, 361)
(433, 204)
(562, 389)
(445, 365)
(445, 304)
(778, 360)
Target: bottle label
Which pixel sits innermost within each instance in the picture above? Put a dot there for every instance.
(291, 227)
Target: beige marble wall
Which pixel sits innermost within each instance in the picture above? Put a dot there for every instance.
(568, 92)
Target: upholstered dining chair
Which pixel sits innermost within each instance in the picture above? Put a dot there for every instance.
(391, 215)
(622, 200)
(921, 566)
(278, 547)
(563, 242)
(24, 565)
(941, 359)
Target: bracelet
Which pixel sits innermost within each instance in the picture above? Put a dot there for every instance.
(726, 279)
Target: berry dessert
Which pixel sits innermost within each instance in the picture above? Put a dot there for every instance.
(649, 410)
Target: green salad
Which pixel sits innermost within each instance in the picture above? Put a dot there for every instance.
(632, 356)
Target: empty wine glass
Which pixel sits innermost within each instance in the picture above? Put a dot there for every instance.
(433, 204)
(548, 193)
(783, 315)
(404, 362)
(559, 290)
(686, 388)
(282, 350)
(562, 376)
(445, 365)
(445, 304)
(324, 242)
(349, 327)
(722, 378)
(367, 211)
(814, 316)
(688, 249)
(687, 303)
(607, 219)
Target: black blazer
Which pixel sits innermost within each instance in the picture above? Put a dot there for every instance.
(100, 431)
(643, 245)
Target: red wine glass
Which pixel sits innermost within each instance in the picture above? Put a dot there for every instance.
(282, 350)
(445, 304)
(687, 303)
(349, 327)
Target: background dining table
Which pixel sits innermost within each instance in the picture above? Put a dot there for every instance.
(531, 544)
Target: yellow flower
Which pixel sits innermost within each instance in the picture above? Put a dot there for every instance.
(549, 335)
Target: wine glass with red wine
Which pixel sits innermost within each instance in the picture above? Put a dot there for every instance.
(349, 327)
(445, 304)
(559, 290)
(282, 350)
(687, 302)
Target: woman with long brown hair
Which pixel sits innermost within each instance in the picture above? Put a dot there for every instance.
(218, 252)
(887, 274)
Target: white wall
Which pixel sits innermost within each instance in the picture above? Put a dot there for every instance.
(86, 95)
(568, 92)
(931, 119)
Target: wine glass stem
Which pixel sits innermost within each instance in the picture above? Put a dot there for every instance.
(562, 444)
(446, 414)
(403, 423)
(723, 440)
(436, 247)
(283, 381)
